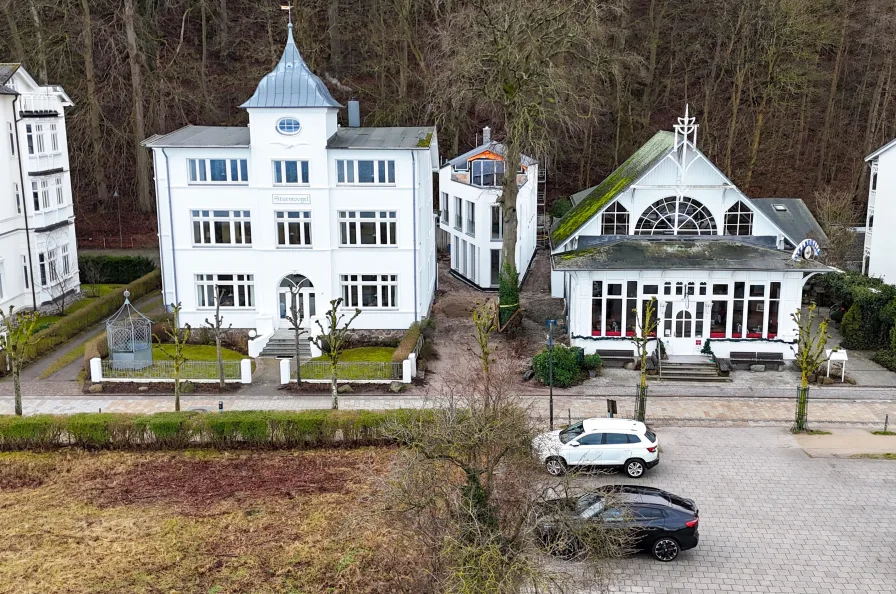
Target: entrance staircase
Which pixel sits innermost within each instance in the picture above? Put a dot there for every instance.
(690, 369)
(283, 344)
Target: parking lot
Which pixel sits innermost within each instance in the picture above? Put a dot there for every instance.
(772, 519)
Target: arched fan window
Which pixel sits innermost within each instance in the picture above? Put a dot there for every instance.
(739, 220)
(671, 216)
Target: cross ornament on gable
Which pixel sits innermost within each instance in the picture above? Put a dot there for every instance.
(686, 128)
(288, 8)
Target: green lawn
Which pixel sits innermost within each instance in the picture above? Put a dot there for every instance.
(195, 352)
(366, 354)
(354, 364)
(199, 353)
(101, 290)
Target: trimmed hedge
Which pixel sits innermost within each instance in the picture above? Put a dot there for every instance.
(407, 344)
(234, 429)
(73, 324)
(114, 270)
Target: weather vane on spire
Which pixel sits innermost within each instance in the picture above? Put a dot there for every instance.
(685, 128)
(288, 8)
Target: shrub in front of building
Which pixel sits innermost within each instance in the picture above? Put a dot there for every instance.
(567, 370)
(407, 344)
(113, 270)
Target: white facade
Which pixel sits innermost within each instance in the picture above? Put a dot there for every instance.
(677, 230)
(880, 246)
(38, 251)
(288, 214)
(470, 215)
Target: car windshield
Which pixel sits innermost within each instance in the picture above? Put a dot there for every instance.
(571, 432)
(650, 435)
(589, 505)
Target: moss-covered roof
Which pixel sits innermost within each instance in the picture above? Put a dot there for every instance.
(616, 183)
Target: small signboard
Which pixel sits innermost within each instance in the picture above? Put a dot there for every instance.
(291, 199)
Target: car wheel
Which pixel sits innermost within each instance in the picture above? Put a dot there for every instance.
(556, 466)
(665, 549)
(635, 468)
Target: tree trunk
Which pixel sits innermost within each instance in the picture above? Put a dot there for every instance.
(754, 147)
(39, 40)
(16, 39)
(203, 64)
(17, 386)
(220, 354)
(334, 387)
(832, 96)
(176, 391)
(333, 35)
(223, 29)
(93, 112)
(144, 196)
(509, 192)
(298, 355)
(736, 93)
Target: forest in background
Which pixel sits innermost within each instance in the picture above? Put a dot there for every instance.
(790, 95)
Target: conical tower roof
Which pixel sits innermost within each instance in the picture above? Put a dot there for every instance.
(291, 84)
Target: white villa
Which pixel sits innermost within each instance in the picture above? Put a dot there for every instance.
(38, 254)
(667, 224)
(296, 209)
(469, 188)
(878, 257)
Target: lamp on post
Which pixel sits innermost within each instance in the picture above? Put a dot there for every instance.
(550, 325)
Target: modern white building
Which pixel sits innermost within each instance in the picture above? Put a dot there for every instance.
(469, 188)
(295, 208)
(880, 247)
(38, 253)
(667, 224)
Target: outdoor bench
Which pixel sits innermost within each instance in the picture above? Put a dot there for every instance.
(757, 358)
(618, 355)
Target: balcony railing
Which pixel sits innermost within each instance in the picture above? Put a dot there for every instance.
(38, 102)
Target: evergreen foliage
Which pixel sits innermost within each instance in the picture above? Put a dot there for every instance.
(566, 372)
(508, 293)
(113, 270)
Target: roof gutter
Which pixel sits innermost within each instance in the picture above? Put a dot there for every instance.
(24, 201)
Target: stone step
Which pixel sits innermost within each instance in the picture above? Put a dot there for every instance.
(684, 368)
(694, 378)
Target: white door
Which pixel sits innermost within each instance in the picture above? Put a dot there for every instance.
(585, 450)
(304, 304)
(682, 328)
(616, 448)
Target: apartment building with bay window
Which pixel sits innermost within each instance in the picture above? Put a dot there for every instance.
(296, 210)
(38, 253)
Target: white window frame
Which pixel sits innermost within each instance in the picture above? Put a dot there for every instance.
(242, 293)
(458, 213)
(12, 139)
(496, 216)
(203, 227)
(385, 227)
(18, 194)
(300, 218)
(66, 263)
(347, 172)
(470, 219)
(443, 208)
(199, 172)
(487, 180)
(353, 285)
(303, 173)
(42, 262)
(54, 139)
(58, 188)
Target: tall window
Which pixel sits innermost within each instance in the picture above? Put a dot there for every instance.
(597, 306)
(365, 172)
(614, 221)
(369, 290)
(443, 208)
(34, 136)
(737, 323)
(755, 311)
(631, 305)
(52, 265)
(368, 227)
(290, 173)
(235, 290)
(497, 223)
(12, 139)
(684, 324)
(18, 195)
(218, 171)
(40, 193)
(471, 219)
(671, 216)
(774, 305)
(458, 213)
(42, 261)
(66, 264)
(739, 220)
(496, 267)
(54, 139)
(718, 322)
(25, 272)
(57, 189)
(614, 309)
(294, 228)
(488, 173)
(222, 227)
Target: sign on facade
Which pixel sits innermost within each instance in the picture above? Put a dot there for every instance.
(291, 199)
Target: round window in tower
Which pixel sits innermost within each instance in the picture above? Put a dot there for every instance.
(288, 126)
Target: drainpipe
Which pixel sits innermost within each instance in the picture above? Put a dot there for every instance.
(414, 201)
(170, 223)
(24, 201)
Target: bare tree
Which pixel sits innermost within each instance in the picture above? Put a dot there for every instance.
(58, 272)
(837, 214)
(178, 339)
(216, 326)
(810, 355)
(94, 111)
(331, 341)
(295, 319)
(144, 196)
(16, 336)
(93, 275)
(646, 332)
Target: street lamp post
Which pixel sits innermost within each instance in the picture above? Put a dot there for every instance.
(550, 324)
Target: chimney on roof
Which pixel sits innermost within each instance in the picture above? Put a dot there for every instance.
(486, 135)
(354, 114)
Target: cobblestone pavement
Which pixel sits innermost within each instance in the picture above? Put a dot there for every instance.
(771, 518)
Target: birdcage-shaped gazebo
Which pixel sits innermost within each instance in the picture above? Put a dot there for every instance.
(129, 335)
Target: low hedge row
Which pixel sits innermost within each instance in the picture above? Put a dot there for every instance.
(73, 324)
(117, 270)
(407, 344)
(235, 429)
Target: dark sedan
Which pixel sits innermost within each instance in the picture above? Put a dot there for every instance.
(655, 521)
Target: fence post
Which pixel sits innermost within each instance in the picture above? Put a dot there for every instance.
(413, 359)
(406, 371)
(96, 370)
(284, 371)
(245, 371)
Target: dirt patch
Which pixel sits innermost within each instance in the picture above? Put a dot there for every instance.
(161, 388)
(20, 470)
(319, 389)
(196, 483)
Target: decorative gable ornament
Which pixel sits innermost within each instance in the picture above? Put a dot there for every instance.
(806, 250)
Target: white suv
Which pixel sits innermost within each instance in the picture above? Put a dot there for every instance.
(620, 443)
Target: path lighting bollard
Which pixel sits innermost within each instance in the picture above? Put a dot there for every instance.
(550, 325)
(886, 422)
(220, 406)
(611, 408)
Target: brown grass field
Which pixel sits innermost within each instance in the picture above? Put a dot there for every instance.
(198, 522)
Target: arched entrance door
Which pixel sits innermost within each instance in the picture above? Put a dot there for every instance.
(295, 300)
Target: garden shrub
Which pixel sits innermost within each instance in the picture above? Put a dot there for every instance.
(117, 270)
(236, 429)
(407, 344)
(592, 361)
(566, 367)
(850, 327)
(560, 208)
(291, 430)
(166, 430)
(102, 430)
(38, 432)
(886, 359)
(837, 313)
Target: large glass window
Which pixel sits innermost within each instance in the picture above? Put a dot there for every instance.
(218, 171)
(443, 208)
(488, 173)
(739, 220)
(369, 291)
(718, 323)
(497, 223)
(221, 227)
(471, 219)
(458, 213)
(737, 323)
(671, 216)
(614, 309)
(290, 173)
(496, 267)
(365, 172)
(614, 221)
(234, 290)
(774, 305)
(631, 307)
(368, 227)
(755, 311)
(294, 228)
(597, 305)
